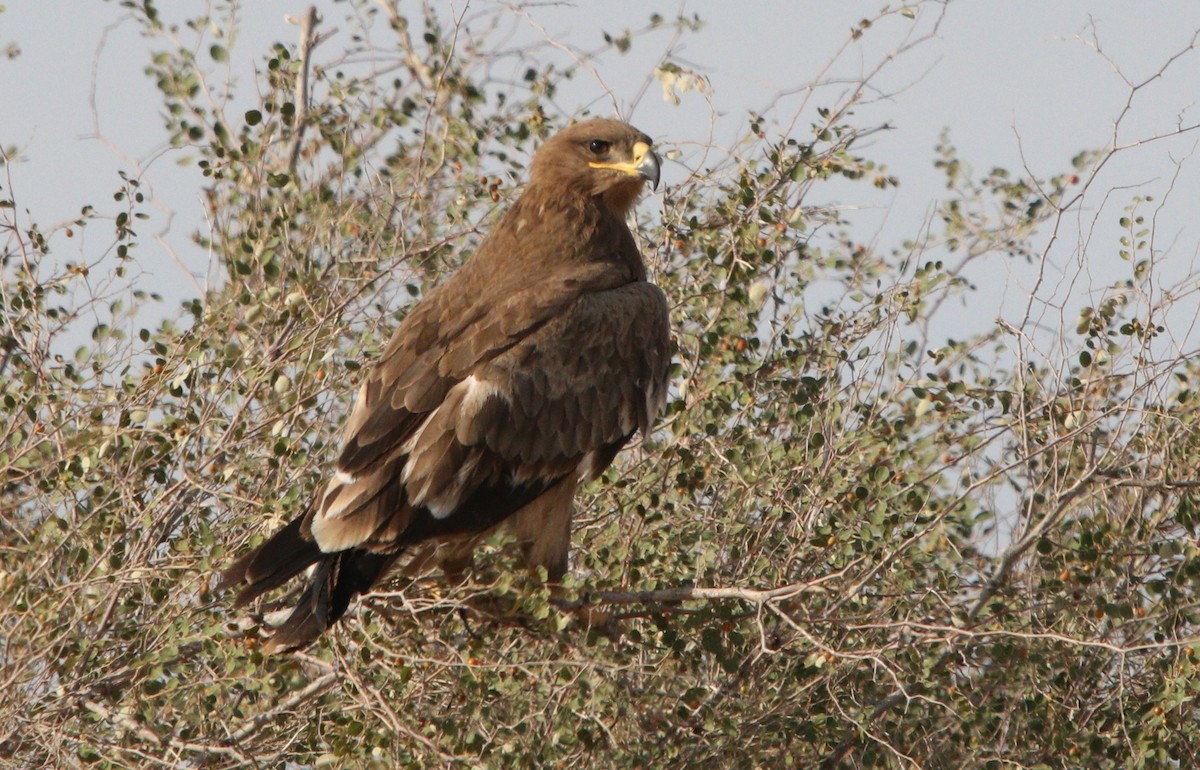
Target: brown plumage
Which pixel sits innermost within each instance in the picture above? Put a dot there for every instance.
(518, 377)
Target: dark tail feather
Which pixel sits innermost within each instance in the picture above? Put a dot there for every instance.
(338, 579)
(285, 555)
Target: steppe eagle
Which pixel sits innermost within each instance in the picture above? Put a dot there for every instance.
(510, 383)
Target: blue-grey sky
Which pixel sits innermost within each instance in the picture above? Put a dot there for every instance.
(1020, 82)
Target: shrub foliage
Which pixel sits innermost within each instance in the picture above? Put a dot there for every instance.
(852, 541)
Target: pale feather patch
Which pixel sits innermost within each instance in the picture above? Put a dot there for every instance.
(586, 470)
(469, 467)
(335, 499)
(439, 505)
(337, 534)
(444, 505)
(408, 446)
(476, 393)
(469, 394)
(466, 398)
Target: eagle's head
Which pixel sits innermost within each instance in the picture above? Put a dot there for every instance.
(599, 157)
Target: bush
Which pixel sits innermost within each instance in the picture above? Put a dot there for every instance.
(849, 542)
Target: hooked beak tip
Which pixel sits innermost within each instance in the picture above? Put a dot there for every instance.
(649, 168)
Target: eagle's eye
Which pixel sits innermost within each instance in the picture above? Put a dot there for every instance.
(599, 146)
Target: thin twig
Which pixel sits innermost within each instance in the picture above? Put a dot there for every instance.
(676, 595)
(308, 41)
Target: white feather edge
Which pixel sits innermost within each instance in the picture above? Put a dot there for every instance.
(475, 392)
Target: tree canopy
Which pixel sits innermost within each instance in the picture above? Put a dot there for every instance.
(852, 541)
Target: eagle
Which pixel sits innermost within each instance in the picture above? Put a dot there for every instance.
(512, 382)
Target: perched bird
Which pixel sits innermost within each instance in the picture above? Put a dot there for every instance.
(513, 381)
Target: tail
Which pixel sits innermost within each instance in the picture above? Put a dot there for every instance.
(338, 578)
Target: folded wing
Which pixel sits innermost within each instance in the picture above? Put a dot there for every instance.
(559, 401)
(505, 441)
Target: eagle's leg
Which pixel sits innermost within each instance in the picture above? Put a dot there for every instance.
(543, 528)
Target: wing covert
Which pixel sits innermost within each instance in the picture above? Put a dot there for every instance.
(584, 382)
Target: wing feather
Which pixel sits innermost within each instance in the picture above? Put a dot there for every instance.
(415, 417)
(586, 380)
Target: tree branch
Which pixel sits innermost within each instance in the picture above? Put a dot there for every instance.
(308, 41)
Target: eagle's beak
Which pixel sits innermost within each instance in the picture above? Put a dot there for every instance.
(648, 164)
(645, 164)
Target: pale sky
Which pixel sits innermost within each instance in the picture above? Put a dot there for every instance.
(1016, 83)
